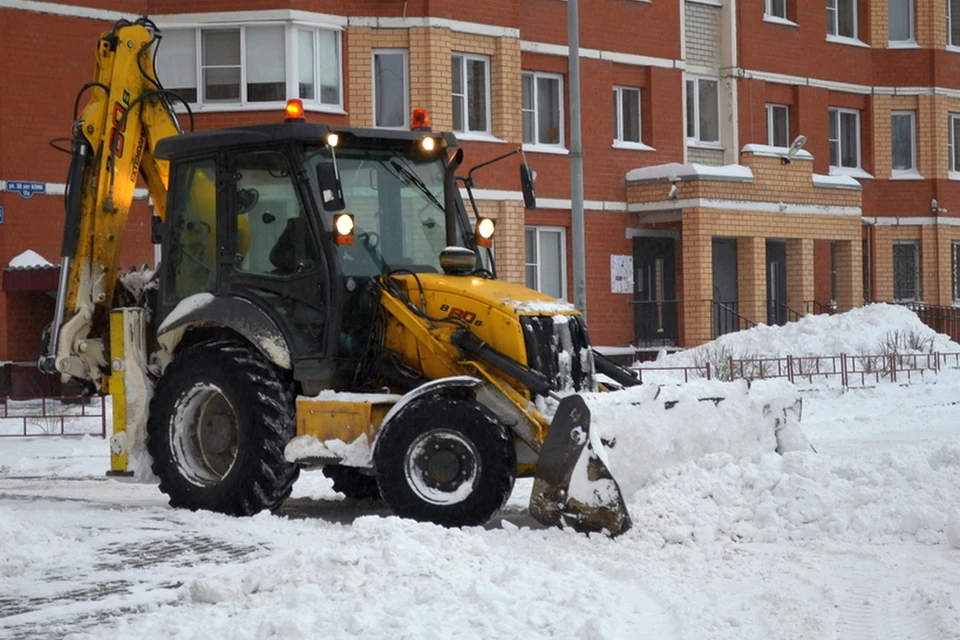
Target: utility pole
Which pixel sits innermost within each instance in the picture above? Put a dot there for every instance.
(576, 161)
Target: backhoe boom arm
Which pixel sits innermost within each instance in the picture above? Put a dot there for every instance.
(114, 139)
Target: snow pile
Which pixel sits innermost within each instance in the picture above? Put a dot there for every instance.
(865, 330)
(28, 259)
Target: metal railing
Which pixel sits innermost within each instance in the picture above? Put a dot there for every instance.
(818, 308)
(656, 322)
(940, 318)
(779, 313)
(59, 416)
(727, 318)
(847, 370)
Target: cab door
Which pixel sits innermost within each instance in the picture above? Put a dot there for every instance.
(272, 256)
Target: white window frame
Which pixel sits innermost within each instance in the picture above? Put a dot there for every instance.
(538, 229)
(536, 144)
(911, 40)
(912, 171)
(618, 139)
(918, 296)
(771, 107)
(834, 112)
(696, 140)
(953, 126)
(770, 9)
(465, 115)
(406, 85)
(952, 46)
(833, 22)
(291, 69)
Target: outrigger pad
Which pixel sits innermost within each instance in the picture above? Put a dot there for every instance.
(573, 487)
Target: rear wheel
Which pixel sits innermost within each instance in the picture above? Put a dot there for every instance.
(445, 459)
(219, 421)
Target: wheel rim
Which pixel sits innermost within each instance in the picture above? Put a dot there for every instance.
(442, 467)
(205, 435)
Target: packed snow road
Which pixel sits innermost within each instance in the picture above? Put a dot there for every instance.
(860, 540)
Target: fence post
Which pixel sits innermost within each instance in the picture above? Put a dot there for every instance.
(708, 371)
(893, 367)
(843, 370)
(103, 416)
(790, 368)
(732, 377)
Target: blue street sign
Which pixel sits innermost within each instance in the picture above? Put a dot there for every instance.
(26, 188)
(1, 215)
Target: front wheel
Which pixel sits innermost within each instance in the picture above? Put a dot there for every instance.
(220, 418)
(445, 459)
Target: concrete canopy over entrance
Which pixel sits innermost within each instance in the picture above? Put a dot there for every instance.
(764, 198)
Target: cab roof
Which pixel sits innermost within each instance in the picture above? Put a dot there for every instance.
(204, 142)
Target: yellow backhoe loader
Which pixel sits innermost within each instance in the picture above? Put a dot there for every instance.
(322, 300)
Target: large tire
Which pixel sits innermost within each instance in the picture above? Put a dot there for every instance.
(220, 418)
(445, 459)
(352, 483)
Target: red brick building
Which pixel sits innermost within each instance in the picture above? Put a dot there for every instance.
(695, 224)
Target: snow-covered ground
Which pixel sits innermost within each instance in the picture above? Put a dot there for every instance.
(859, 539)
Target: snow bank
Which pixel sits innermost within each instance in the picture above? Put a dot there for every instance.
(864, 330)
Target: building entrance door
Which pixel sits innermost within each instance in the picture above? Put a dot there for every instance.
(776, 282)
(654, 291)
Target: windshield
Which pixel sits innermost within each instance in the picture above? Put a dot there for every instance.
(397, 204)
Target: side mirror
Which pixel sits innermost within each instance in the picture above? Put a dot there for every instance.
(526, 185)
(331, 191)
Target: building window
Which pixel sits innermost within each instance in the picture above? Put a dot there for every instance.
(251, 64)
(703, 110)
(903, 140)
(542, 109)
(900, 20)
(842, 18)
(471, 93)
(546, 263)
(954, 144)
(906, 270)
(955, 270)
(778, 125)
(390, 104)
(845, 138)
(776, 9)
(626, 114)
(953, 23)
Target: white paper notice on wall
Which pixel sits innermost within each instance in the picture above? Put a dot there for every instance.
(621, 274)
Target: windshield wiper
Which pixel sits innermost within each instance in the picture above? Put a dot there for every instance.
(408, 177)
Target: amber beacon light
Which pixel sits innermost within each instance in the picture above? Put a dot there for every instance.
(294, 111)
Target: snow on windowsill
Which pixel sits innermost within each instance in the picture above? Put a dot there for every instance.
(954, 175)
(542, 148)
(903, 44)
(473, 136)
(906, 175)
(693, 143)
(779, 20)
(854, 42)
(853, 172)
(277, 107)
(636, 146)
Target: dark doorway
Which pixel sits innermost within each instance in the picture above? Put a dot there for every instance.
(654, 291)
(777, 282)
(726, 317)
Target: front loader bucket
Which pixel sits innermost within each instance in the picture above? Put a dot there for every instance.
(573, 487)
